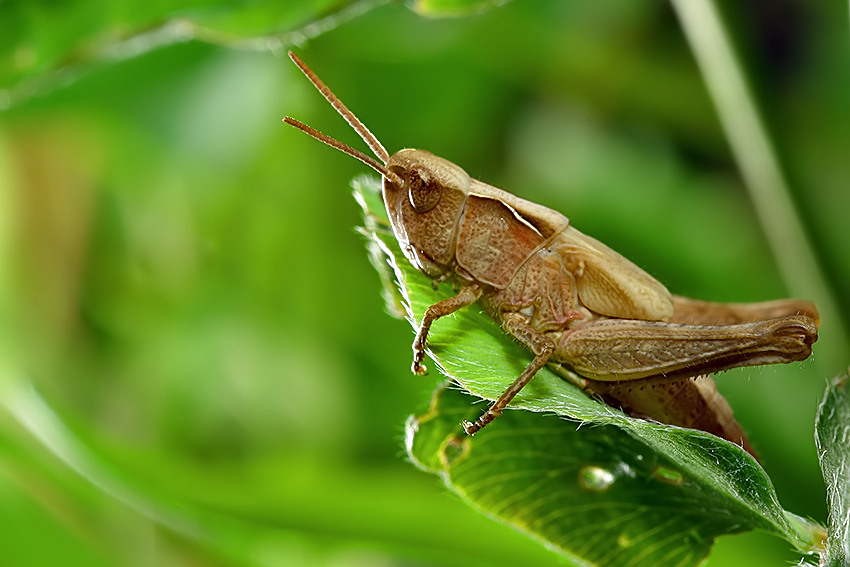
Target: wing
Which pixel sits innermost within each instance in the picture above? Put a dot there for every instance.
(608, 283)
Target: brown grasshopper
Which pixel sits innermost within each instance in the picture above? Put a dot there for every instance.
(567, 297)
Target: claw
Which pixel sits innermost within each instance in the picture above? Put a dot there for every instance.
(471, 428)
(417, 367)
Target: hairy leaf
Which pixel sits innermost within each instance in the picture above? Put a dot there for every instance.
(832, 432)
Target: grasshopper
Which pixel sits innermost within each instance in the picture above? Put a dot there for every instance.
(567, 297)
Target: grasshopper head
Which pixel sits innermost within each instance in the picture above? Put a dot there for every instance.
(424, 194)
(425, 207)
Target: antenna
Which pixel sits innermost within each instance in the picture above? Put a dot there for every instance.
(346, 149)
(349, 116)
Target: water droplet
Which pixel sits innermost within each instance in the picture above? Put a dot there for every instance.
(668, 475)
(623, 469)
(595, 479)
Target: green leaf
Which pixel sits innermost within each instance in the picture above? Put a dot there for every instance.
(597, 495)
(832, 431)
(49, 46)
(676, 489)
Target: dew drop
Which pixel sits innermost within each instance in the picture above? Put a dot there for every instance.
(595, 479)
(623, 469)
(668, 475)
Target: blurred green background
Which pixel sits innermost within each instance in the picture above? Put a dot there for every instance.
(196, 367)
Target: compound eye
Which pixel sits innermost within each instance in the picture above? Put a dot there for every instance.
(424, 191)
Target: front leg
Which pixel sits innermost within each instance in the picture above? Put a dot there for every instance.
(467, 295)
(626, 349)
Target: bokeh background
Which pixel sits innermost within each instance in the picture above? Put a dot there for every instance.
(196, 366)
